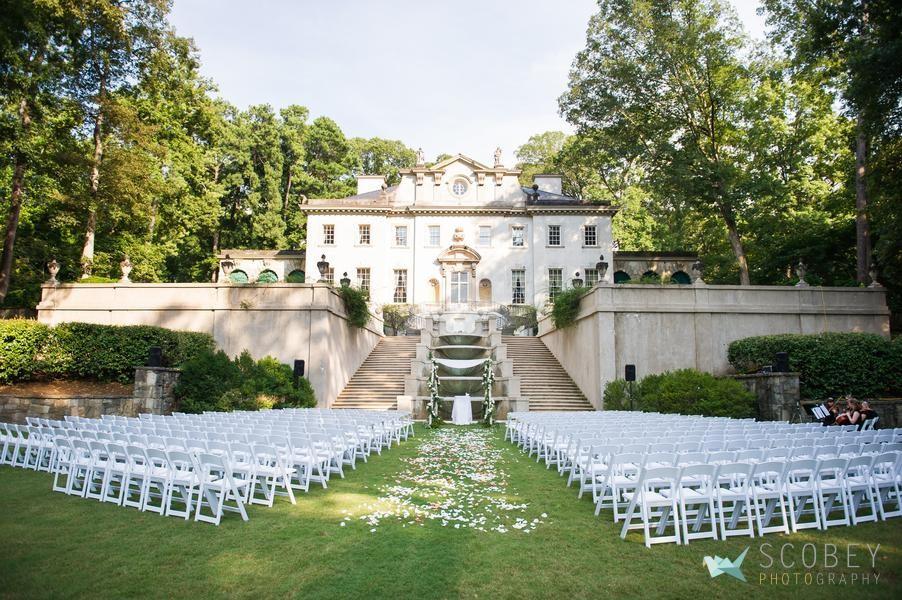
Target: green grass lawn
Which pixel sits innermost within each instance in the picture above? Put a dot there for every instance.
(54, 545)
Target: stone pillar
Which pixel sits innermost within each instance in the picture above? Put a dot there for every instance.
(153, 389)
(777, 394)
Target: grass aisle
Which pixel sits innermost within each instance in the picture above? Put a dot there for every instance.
(53, 545)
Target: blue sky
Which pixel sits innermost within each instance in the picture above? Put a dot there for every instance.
(462, 76)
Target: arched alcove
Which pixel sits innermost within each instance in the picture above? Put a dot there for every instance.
(296, 276)
(681, 277)
(238, 276)
(267, 276)
(621, 277)
(485, 290)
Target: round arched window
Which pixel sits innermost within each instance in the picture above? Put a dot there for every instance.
(459, 187)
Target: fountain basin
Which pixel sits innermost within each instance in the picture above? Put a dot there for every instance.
(459, 352)
(460, 339)
(460, 367)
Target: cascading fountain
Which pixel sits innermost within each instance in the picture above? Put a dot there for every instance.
(460, 343)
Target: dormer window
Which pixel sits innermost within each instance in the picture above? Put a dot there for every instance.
(459, 187)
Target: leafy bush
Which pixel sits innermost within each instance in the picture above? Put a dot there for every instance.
(355, 301)
(566, 306)
(686, 391)
(21, 345)
(617, 395)
(31, 350)
(213, 381)
(95, 279)
(829, 364)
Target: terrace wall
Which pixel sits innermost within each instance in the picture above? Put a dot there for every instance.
(667, 327)
(287, 321)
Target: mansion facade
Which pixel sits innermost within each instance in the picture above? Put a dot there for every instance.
(458, 233)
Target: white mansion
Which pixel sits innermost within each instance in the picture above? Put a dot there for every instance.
(458, 232)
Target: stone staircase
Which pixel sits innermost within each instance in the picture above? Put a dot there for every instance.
(542, 378)
(380, 379)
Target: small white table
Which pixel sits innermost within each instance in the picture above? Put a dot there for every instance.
(462, 410)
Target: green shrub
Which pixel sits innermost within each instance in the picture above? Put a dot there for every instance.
(355, 301)
(617, 395)
(95, 279)
(90, 351)
(204, 380)
(687, 392)
(829, 364)
(565, 307)
(21, 346)
(213, 381)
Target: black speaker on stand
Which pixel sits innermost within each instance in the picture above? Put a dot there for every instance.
(298, 371)
(630, 376)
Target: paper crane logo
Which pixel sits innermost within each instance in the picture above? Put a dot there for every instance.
(719, 566)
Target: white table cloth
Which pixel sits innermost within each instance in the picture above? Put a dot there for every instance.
(462, 410)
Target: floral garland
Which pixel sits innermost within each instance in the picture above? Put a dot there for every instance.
(488, 403)
(434, 402)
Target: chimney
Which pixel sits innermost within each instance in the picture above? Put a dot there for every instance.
(548, 183)
(369, 183)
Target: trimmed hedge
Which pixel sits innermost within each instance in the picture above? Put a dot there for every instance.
(31, 350)
(686, 391)
(864, 365)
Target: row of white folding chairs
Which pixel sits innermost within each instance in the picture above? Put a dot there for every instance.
(30, 446)
(149, 479)
(591, 466)
(560, 445)
(735, 499)
(333, 450)
(566, 448)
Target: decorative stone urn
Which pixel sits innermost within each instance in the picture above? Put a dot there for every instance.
(228, 265)
(602, 267)
(126, 267)
(53, 268)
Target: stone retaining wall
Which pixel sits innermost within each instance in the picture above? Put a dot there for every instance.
(152, 394)
(777, 393)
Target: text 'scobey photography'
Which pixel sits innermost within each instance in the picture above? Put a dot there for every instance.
(418, 291)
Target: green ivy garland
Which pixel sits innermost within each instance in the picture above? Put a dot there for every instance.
(355, 304)
(488, 403)
(434, 402)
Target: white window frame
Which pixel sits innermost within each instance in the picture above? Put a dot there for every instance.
(552, 292)
(514, 286)
(514, 228)
(395, 236)
(560, 236)
(329, 275)
(328, 231)
(429, 241)
(480, 242)
(399, 276)
(590, 281)
(368, 230)
(364, 278)
(586, 229)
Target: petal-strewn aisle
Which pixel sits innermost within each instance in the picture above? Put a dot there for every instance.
(456, 479)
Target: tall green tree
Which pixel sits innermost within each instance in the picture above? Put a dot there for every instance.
(661, 82)
(377, 156)
(111, 41)
(32, 64)
(857, 45)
